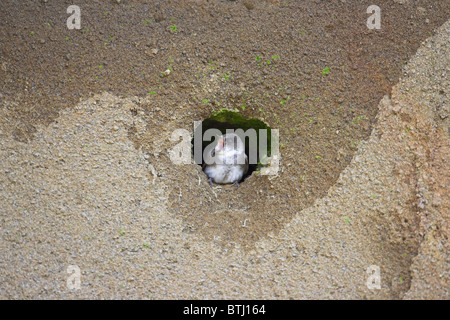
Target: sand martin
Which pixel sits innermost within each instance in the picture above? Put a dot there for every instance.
(227, 162)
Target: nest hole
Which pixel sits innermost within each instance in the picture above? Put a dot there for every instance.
(225, 121)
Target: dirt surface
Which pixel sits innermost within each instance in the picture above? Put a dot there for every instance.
(85, 126)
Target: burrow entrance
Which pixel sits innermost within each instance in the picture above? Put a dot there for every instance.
(225, 120)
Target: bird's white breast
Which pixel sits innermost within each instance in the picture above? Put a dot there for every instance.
(229, 172)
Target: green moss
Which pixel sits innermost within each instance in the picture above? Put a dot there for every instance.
(236, 120)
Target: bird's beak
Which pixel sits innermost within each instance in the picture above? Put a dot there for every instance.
(220, 144)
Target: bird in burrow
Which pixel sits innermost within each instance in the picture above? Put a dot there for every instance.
(227, 162)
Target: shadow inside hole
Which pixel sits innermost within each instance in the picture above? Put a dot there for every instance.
(226, 119)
